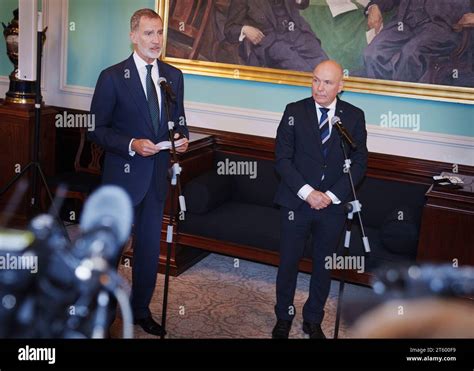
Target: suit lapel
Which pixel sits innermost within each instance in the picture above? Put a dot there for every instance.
(266, 9)
(402, 10)
(135, 88)
(289, 8)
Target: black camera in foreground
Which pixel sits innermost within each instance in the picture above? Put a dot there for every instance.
(52, 288)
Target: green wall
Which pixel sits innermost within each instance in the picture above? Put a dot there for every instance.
(98, 36)
(6, 15)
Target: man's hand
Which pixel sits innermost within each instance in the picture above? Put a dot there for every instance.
(467, 20)
(318, 200)
(253, 34)
(375, 19)
(182, 148)
(144, 147)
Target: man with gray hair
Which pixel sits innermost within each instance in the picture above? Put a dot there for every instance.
(128, 105)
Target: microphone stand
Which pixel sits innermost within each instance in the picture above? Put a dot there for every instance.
(35, 164)
(175, 172)
(354, 207)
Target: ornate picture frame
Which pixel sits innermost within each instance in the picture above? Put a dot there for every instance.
(179, 29)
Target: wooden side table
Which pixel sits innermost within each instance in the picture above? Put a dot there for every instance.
(447, 230)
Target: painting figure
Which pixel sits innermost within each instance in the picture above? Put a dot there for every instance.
(421, 32)
(272, 33)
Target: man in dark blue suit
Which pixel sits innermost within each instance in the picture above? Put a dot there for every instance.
(313, 190)
(129, 109)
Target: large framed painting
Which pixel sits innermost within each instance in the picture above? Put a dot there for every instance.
(411, 48)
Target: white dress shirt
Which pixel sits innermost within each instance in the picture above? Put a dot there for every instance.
(306, 190)
(142, 72)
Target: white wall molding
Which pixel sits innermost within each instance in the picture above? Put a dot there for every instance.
(453, 149)
(239, 120)
(64, 45)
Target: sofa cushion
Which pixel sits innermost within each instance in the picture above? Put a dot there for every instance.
(206, 192)
(399, 233)
(379, 256)
(380, 197)
(258, 188)
(240, 223)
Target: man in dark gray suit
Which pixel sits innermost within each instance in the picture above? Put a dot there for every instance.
(272, 33)
(422, 29)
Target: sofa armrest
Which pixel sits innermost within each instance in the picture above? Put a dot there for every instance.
(207, 192)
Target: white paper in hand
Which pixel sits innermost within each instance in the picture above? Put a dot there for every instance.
(364, 3)
(340, 6)
(167, 144)
(371, 34)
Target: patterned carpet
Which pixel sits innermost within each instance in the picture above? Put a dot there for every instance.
(216, 299)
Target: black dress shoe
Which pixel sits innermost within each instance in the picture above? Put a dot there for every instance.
(313, 330)
(149, 325)
(281, 329)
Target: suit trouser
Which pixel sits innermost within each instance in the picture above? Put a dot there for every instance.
(326, 228)
(404, 55)
(146, 250)
(296, 50)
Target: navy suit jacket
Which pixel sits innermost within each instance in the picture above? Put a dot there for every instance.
(438, 11)
(259, 14)
(121, 113)
(300, 159)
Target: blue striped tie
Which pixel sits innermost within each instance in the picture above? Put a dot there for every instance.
(324, 130)
(152, 97)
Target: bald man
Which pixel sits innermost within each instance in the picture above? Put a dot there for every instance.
(313, 190)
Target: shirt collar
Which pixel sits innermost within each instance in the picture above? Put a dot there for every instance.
(331, 107)
(140, 63)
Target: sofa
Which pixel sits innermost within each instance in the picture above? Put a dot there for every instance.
(239, 211)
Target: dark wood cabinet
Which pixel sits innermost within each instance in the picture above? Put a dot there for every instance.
(17, 132)
(447, 231)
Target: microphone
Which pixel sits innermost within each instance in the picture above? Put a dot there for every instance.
(106, 222)
(163, 82)
(336, 122)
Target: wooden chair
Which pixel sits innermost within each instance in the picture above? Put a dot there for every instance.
(86, 175)
(186, 26)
